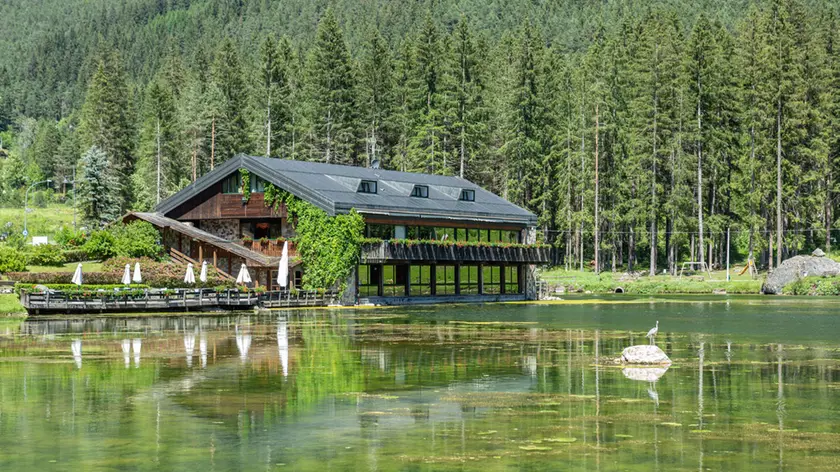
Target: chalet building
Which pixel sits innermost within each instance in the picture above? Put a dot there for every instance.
(442, 238)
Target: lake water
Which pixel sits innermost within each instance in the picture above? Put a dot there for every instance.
(755, 384)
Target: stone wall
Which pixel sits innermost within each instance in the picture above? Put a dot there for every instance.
(225, 229)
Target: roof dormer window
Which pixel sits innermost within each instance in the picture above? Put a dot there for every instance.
(367, 186)
(420, 191)
(467, 195)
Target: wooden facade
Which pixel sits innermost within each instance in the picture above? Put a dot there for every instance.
(212, 204)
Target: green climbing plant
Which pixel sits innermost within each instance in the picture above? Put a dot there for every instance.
(246, 184)
(329, 246)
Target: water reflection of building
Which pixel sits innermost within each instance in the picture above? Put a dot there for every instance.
(283, 346)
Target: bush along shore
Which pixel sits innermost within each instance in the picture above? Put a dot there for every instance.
(814, 286)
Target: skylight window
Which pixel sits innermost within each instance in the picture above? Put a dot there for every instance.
(420, 191)
(467, 195)
(367, 186)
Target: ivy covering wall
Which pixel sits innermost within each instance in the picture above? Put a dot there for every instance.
(329, 246)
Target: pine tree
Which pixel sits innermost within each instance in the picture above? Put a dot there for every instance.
(106, 121)
(376, 98)
(272, 97)
(159, 142)
(99, 189)
(45, 148)
(426, 151)
(524, 148)
(331, 94)
(229, 97)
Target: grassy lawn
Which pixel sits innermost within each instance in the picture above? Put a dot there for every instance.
(10, 305)
(40, 221)
(607, 282)
(89, 266)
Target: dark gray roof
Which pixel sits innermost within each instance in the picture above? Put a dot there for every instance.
(334, 188)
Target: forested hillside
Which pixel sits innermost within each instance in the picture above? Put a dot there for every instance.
(638, 132)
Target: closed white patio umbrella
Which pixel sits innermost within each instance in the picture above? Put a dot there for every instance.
(77, 275)
(126, 279)
(244, 276)
(189, 276)
(283, 269)
(137, 278)
(203, 276)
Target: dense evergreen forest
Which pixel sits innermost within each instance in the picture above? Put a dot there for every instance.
(638, 132)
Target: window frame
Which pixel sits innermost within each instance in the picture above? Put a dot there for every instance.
(467, 195)
(233, 179)
(420, 191)
(365, 187)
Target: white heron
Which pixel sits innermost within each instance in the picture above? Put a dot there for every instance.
(652, 333)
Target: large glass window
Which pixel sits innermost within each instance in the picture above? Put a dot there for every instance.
(492, 279)
(512, 279)
(469, 280)
(393, 283)
(380, 231)
(425, 232)
(421, 280)
(495, 236)
(445, 280)
(232, 184)
(257, 184)
(369, 280)
(445, 234)
(461, 234)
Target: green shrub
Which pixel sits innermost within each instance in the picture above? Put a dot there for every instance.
(68, 238)
(137, 239)
(74, 255)
(46, 255)
(11, 260)
(100, 245)
(75, 288)
(825, 286)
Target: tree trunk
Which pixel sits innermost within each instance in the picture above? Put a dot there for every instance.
(653, 193)
(157, 142)
(213, 144)
(597, 222)
(699, 173)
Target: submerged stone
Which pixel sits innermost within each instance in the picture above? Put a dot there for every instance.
(644, 354)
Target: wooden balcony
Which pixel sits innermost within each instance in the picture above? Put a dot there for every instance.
(386, 251)
(270, 248)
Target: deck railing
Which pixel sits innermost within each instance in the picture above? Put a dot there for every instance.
(175, 299)
(271, 247)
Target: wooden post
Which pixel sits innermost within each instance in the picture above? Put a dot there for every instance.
(727, 255)
(200, 252)
(502, 278)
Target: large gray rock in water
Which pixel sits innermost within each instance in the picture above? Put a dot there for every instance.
(797, 267)
(645, 355)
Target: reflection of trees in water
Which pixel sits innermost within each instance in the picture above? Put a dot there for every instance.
(293, 366)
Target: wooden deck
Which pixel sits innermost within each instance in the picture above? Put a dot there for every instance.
(182, 300)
